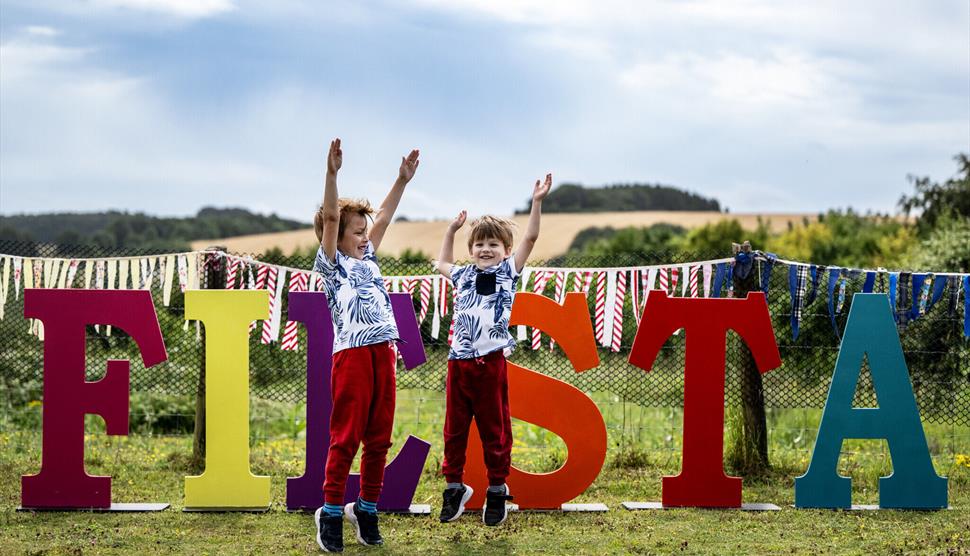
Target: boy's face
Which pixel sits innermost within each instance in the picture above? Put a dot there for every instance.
(354, 240)
(488, 252)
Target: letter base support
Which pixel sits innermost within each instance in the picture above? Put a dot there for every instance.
(115, 507)
(219, 509)
(750, 507)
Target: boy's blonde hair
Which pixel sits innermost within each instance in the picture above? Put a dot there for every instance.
(347, 207)
(488, 227)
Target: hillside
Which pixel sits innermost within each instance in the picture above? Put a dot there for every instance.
(631, 197)
(115, 229)
(558, 231)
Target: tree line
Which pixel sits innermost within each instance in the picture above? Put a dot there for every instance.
(121, 230)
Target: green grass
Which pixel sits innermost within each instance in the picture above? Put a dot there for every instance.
(644, 445)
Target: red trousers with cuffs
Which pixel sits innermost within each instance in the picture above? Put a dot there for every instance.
(363, 392)
(478, 388)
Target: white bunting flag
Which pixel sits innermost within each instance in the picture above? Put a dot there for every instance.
(167, 272)
(183, 266)
(5, 276)
(72, 273)
(17, 272)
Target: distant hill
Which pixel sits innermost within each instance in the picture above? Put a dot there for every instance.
(112, 230)
(570, 197)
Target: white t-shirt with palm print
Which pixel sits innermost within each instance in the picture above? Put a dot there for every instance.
(359, 303)
(482, 321)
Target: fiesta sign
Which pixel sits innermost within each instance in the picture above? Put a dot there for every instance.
(228, 484)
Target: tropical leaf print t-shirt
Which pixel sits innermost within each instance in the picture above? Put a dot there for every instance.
(483, 304)
(359, 303)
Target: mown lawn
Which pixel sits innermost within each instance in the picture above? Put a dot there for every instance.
(644, 446)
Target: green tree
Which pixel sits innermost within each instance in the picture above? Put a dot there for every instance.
(934, 201)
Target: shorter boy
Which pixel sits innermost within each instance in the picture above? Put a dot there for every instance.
(477, 384)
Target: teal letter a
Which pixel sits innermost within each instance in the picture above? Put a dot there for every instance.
(914, 484)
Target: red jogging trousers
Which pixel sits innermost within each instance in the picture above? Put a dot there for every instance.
(363, 392)
(478, 388)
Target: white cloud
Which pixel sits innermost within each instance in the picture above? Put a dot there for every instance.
(41, 31)
(191, 9)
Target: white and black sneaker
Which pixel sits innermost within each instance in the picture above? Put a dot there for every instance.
(365, 524)
(453, 502)
(496, 511)
(330, 531)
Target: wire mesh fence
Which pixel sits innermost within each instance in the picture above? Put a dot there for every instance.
(937, 353)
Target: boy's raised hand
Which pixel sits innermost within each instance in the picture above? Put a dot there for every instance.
(540, 191)
(459, 221)
(409, 165)
(335, 158)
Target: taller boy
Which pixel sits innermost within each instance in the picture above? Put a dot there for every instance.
(362, 376)
(477, 384)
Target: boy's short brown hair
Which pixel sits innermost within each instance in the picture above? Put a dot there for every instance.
(488, 227)
(347, 207)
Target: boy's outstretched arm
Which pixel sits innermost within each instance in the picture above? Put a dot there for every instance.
(539, 193)
(409, 165)
(331, 213)
(446, 258)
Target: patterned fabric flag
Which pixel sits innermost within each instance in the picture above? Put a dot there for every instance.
(298, 283)
(966, 305)
(251, 279)
(893, 280)
(766, 265)
(693, 280)
(560, 296)
(538, 286)
(600, 307)
(719, 272)
(232, 269)
(918, 305)
(842, 285)
(954, 283)
(924, 296)
(425, 295)
(833, 281)
(674, 275)
(620, 298)
(664, 280)
(274, 283)
(939, 285)
(261, 275)
(904, 285)
(797, 278)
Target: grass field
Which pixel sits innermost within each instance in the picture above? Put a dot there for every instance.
(644, 445)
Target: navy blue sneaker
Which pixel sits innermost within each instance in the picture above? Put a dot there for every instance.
(330, 531)
(365, 523)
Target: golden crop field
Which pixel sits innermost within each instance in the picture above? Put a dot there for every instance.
(558, 231)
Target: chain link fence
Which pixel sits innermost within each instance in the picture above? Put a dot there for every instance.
(937, 353)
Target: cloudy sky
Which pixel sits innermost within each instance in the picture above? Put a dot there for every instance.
(166, 106)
